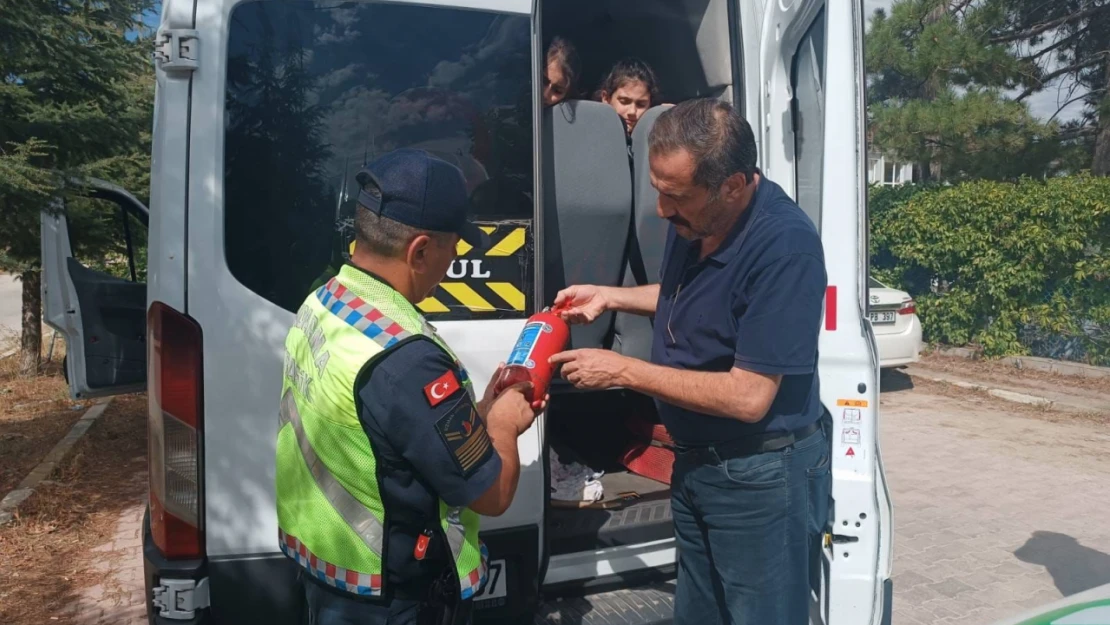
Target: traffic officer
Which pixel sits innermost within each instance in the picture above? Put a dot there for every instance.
(385, 457)
(733, 370)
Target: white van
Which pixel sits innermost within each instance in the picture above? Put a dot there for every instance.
(264, 112)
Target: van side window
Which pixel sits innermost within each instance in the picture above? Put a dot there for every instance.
(808, 78)
(315, 89)
(107, 237)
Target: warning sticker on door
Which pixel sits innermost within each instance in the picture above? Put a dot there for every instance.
(851, 415)
(850, 436)
(496, 283)
(852, 403)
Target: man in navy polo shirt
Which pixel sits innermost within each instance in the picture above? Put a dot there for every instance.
(733, 370)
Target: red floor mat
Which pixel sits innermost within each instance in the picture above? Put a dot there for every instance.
(651, 461)
(644, 429)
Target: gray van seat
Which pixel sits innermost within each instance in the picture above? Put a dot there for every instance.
(632, 333)
(587, 204)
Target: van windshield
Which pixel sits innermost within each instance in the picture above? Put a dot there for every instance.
(317, 89)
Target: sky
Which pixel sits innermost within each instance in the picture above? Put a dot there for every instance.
(1042, 104)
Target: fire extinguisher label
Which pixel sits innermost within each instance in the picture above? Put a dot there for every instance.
(522, 351)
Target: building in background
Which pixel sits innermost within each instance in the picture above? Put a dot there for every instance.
(886, 169)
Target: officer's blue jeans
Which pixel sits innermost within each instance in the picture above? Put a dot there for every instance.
(748, 530)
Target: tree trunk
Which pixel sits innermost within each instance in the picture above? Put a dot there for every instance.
(1100, 165)
(925, 171)
(30, 359)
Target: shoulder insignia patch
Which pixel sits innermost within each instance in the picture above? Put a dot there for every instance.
(465, 435)
(441, 388)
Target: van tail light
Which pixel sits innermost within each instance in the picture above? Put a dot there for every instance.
(909, 307)
(176, 432)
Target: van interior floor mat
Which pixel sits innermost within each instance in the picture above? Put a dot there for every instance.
(643, 427)
(649, 460)
(643, 518)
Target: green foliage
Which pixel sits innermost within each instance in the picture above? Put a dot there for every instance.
(936, 92)
(1002, 264)
(921, 45)
(882, 205)
(1068, 40)
(76, 99)
(97, 236)
(21, 184)
(975, 134)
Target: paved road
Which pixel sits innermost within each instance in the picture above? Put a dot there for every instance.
(997, 509)
(10, 307)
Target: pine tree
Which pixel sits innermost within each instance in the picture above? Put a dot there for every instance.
(937, 92)
(1065, 39)
(76, 98)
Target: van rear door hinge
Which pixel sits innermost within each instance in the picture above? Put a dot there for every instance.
(180, 598)
(175, 49)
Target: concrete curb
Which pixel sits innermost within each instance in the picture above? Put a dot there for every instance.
(1011, 396)
(1061, 367)
(27, 487)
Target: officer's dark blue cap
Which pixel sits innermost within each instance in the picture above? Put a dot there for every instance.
(419, 190)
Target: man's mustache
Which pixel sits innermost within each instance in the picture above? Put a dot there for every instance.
(678, 221)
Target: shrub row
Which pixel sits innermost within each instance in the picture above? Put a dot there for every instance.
(1011, 267)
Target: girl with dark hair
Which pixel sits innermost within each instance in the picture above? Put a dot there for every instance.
(560, 75)
(631, 89)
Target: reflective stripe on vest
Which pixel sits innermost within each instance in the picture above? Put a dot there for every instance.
(343, 579)
(473, 580)
(361, 316)
(361, 521)
(381, 329)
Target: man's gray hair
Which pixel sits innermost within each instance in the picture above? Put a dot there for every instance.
(385, 237)
(720, 141)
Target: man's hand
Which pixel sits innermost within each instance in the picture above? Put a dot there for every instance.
(491, 394)
(511, 410)
(582, 303)
(593, 369)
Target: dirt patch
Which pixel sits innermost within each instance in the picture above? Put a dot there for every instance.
(46, 553)
(897, 381)
(35, 413)
(1003, 372)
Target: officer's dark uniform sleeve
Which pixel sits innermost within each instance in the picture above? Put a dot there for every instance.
(416, 397)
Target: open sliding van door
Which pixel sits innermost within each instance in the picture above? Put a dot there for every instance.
(810, 119)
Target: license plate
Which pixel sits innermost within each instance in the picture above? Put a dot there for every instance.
(496, 584)
(882, 317)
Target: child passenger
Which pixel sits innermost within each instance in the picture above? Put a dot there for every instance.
(560, 76)
(631, 89)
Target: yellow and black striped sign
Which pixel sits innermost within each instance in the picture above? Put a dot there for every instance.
(495, 284)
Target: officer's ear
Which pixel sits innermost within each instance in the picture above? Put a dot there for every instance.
(417, 253)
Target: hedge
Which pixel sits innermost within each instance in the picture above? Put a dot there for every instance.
(1010, 267)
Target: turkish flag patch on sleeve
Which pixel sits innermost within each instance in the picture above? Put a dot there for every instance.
(441, 388)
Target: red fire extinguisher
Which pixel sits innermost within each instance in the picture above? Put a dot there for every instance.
(544, 335)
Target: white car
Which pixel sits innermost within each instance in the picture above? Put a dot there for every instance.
(893, 315)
